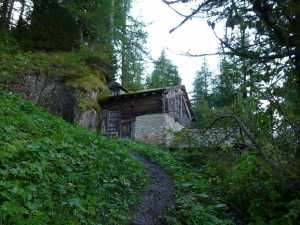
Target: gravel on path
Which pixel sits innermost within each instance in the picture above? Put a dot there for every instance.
(158, 197)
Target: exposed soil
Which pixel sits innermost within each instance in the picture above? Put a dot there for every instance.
(157, 198)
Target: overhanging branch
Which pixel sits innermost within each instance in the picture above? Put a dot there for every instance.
(190, 16)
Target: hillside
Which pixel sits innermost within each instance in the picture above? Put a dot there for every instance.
(227, 147)
(55, 173)
(67, 84)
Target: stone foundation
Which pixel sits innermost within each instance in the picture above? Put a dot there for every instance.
(156, 128)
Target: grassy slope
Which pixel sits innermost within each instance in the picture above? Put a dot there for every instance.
(54, 173)
(71, 66)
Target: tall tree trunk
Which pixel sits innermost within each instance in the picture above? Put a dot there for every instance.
(81, 34)
(10, 11)
(297, 71)
(3, 14)
(112, 30)
(244, 63)
(124, 80)
(112, 20)
(297, 105)
(20, 19)
(123, 59)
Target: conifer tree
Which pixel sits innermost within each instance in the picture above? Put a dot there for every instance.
(133, 53)
(202, 94)
(274, 48)
(165, 74)
(202, 83)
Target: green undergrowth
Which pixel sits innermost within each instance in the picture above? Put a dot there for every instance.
(244, 186)
(194, 204)
(221, 186)
(52, 172)
(252, 189)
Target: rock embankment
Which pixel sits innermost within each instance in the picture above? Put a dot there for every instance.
(59, 99)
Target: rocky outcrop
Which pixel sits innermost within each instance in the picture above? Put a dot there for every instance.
(60, 99)
(88, 119)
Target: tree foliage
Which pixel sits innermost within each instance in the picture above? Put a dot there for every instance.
(133, 53)
(165, 74)
(259, 83)
(202, 95)
(202, 83)
(272, 48)
(98, 25)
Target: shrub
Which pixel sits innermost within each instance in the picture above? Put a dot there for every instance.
(257, 192)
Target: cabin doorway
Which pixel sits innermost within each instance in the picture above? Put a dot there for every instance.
(112, 123)
(127, 129)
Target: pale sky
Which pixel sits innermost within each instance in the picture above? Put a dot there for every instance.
(195, 36)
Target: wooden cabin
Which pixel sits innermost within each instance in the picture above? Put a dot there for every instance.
(148, 116)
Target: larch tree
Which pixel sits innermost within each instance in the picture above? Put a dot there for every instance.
(165, 74)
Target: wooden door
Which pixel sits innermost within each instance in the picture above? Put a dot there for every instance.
(127, 129)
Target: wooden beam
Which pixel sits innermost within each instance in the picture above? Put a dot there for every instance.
(187, 109)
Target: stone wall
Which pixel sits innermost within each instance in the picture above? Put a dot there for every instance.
(214, 137)
(155, 128)
(59, 99)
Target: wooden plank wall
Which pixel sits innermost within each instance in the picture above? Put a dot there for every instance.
(127, 107)
(177, 107)
(130, 107)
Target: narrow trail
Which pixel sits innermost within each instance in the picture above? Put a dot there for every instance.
(157, 198)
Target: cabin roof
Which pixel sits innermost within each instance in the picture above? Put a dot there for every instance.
(141, 93)
(115, 86)
(147, 92)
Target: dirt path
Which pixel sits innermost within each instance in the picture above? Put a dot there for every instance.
(156, 199)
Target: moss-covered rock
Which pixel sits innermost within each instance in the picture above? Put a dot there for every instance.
(67, 84)
(52, 93)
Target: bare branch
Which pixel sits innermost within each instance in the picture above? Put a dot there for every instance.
(251, 54)
(188, 54)
(175, 10)
(172, 2)
(190, 16)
